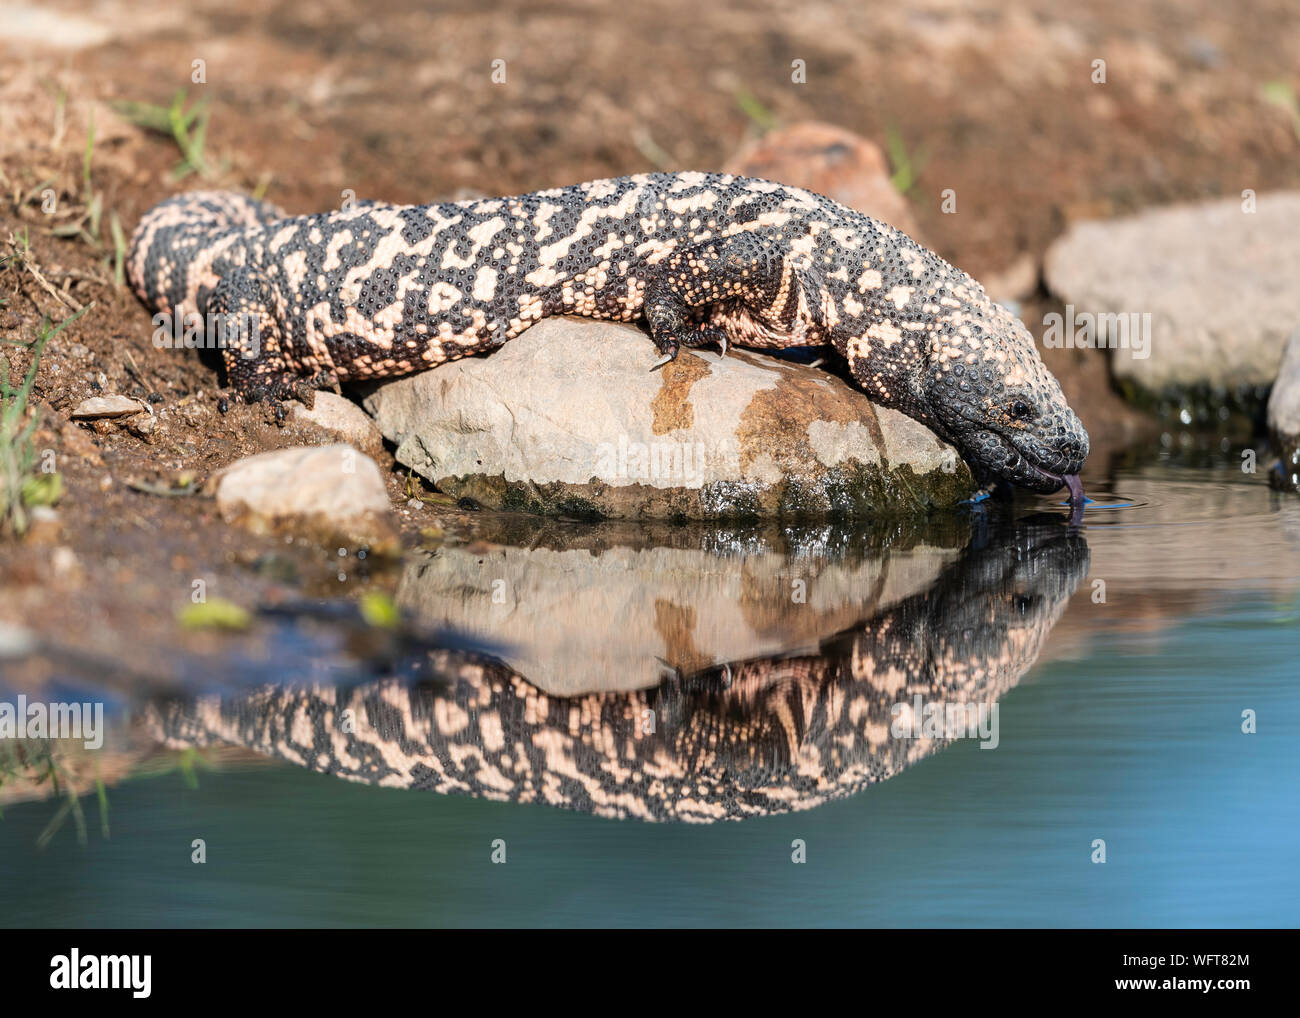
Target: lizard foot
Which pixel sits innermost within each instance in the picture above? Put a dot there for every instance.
(275, 391)
(707, 335)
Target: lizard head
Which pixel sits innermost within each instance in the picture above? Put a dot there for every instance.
(991, 396)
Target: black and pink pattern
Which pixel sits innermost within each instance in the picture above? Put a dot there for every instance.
(377, 290)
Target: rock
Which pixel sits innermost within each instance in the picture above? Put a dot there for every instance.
(108, 408)
(569, 419)
(15, 640)
(332, 492)
(344, 419)
(1218, 283)
(831, 161)
(142, 426)
(64, 562)
(1284, 416)
(680, 603)
(30, 25)
(1284, 403)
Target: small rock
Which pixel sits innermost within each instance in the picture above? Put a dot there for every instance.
(31, 25)
(1284, 415)
(568, 420)
(195, 414)
(831, 161)
(15, 640)
(333, 492)
(108, 407)
(64, 562)
(343, 418)
(1218, 282)
(142, 426)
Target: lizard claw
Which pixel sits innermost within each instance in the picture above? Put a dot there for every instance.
(722, 345)
(665, 359)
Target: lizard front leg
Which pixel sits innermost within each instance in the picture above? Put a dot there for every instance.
(248, 334)
(743, 269)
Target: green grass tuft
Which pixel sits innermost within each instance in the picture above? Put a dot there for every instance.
(21, 487)
(906, 166)
(188, 128)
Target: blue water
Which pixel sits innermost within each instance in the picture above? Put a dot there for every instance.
(1143, 749)
(1129, 730)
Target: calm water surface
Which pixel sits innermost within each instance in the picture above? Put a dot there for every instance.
(667, 717)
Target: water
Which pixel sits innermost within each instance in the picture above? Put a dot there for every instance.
(1120, 653)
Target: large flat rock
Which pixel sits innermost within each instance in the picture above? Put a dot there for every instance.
(1218, 282)
(569, 418)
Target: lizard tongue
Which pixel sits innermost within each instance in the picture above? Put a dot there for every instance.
(1076, 489)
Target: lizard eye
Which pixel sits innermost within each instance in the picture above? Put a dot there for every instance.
(1020, 410)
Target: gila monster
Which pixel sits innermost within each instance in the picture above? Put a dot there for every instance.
(377, 290)
(751, 738)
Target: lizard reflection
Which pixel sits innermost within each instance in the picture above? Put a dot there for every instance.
(749, 738)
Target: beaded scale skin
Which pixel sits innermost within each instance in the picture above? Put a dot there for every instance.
(378, 290)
